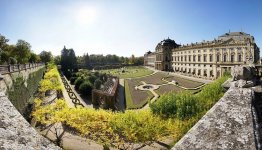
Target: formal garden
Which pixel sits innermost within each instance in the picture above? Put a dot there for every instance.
(166, 83)
(170, 117)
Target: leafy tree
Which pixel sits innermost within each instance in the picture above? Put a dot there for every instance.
(12, 60)
(68, 61)
(57, 60)
(132, 59)
(34, 58)
(22, 52)
(46, 56)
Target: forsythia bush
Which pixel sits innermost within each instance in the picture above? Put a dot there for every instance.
(51, 80)
(108, 127)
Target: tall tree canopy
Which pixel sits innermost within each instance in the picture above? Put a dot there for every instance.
(23, 51)
(46, 56)
(68, 61)
(18, 53)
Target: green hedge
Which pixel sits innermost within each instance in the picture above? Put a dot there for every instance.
(185, 105)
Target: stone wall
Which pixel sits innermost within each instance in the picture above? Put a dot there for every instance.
(227, 125)
(20, 87)
(16, 133)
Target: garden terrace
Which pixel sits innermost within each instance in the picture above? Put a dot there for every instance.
(155, 78)
(135, 98)
(184, 82)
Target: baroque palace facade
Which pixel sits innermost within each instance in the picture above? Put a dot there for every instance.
(207, 59)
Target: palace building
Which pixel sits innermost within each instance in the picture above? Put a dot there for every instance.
(207, 59)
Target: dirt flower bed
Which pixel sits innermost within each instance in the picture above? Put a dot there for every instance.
(184, 82)
(155, 78)
(168, 88)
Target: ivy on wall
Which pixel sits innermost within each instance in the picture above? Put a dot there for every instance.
(22, 92)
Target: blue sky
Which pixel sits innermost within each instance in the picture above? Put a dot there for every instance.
(124, 27)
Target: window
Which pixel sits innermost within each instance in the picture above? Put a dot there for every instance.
(189, 58)
(239, 57)
(194, 58)
(239, 48)
(181, 58)
(178, 58)
(175, 58)
(232, 58)
(205, 58)
(185, 58)
(205, 50)
(224, 49)
(225, 58)
(218, 56)
(210, 58)
(199, 58)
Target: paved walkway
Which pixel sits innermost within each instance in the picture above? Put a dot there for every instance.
(183, 76)
(121, 95)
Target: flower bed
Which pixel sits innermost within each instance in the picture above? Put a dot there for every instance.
(135, 98)
(184, 82)
(155, 78)
(168, 88)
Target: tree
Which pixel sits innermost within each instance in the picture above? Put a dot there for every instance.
(68, 61)
(34, 58)
(22, 51)
(46, 56)
(132, 60)
(57, 60)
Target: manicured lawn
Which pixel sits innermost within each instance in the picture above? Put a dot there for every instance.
(135, 98)
(128, 72)
(184, 82)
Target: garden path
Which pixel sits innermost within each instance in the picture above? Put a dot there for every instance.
(121, 94)
(77, 95)
(182, 76)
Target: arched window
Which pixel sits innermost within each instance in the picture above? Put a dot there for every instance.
(218, 56)
(232, 58)
(210, 57)
(199, 58)
(205, 58)
(239, 57)
(225, 58)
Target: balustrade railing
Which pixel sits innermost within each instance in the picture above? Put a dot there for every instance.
(5, 69)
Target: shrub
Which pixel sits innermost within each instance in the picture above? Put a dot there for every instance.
(85, 88)
(185, 105)
(92, 79)
(12, 60)
(97, 84)
(78, 82)
(107, 127)
(72, 80)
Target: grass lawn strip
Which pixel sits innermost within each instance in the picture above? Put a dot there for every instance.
(128, 72)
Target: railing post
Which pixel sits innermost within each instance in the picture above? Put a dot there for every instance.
(9, 68)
